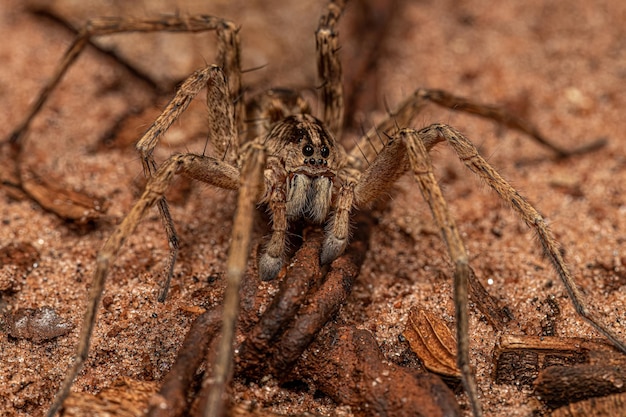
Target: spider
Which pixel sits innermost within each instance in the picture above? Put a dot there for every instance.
(292, 163)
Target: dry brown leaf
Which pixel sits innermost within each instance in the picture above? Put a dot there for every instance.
(126, 398)
(67, 204)
(432, 341)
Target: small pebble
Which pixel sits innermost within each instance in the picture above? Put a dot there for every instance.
(38, 325)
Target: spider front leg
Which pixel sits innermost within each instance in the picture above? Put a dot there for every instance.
(271, 261)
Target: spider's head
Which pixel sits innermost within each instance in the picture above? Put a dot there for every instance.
(304, 146)
(310, 156)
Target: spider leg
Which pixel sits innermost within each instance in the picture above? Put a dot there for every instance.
(228, 51)
(329, 67)
(338, 228)
(220, 115)
(469, 155)
(368, 147)
(222, 134)
(207, 169)
(272, 258)
(408, 149)
(250, 190)
(422, 168)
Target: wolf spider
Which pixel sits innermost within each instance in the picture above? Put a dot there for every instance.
(292, 163)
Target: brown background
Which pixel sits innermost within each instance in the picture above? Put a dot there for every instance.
(561, 64)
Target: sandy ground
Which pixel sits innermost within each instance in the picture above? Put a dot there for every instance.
(560, 64)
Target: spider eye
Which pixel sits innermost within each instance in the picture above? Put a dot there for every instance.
(307, 150)
(325, 152)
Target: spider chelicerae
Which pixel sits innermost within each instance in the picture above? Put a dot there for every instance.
(293, 163)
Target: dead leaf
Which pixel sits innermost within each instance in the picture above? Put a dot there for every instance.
(126, 398)
(432, 341)
(69, 205)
